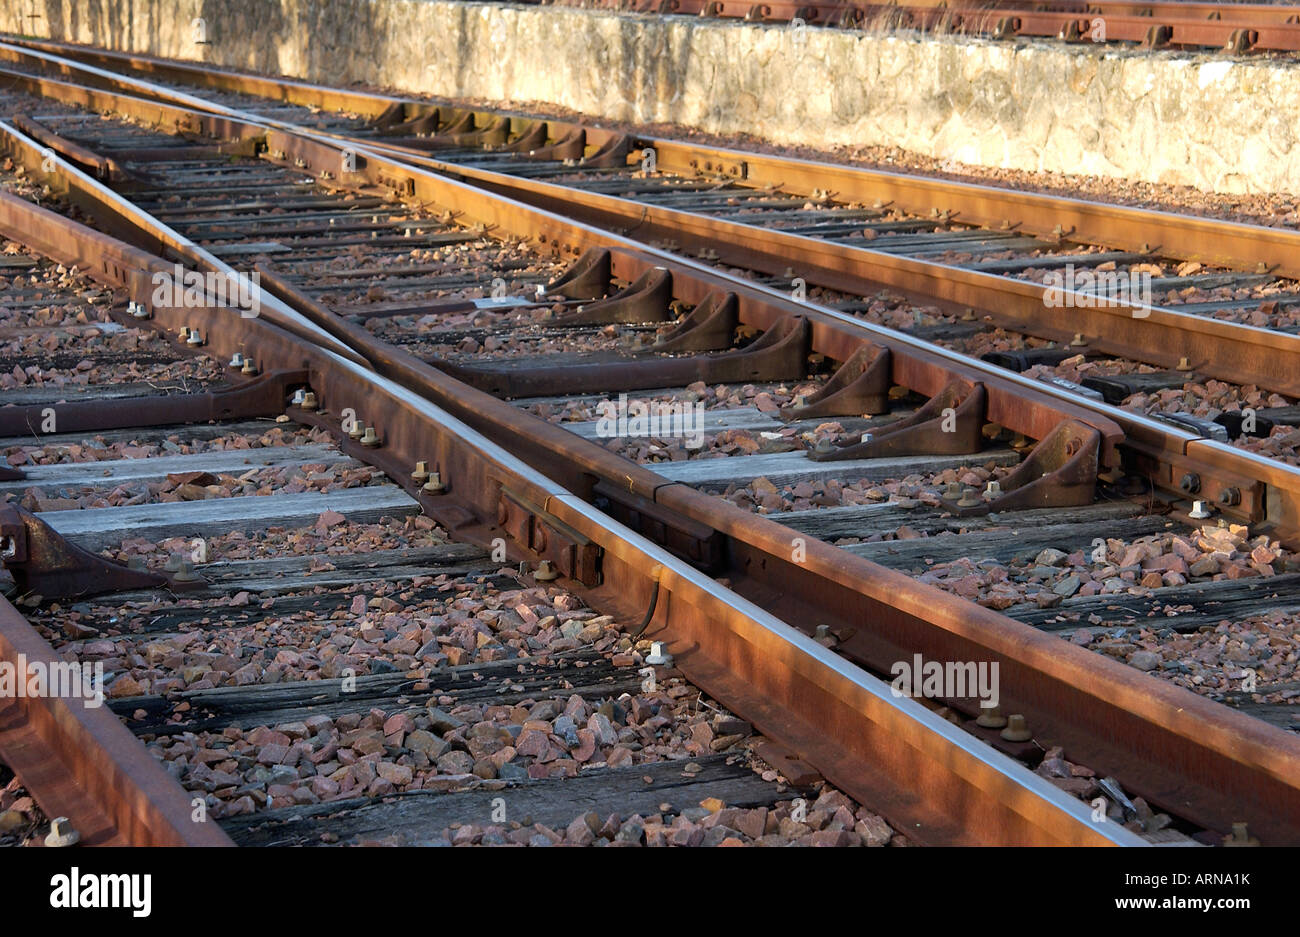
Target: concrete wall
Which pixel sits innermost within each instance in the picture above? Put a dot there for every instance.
(1206, 121)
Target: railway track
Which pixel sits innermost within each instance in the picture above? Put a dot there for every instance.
(270, 710)
(1168, 312)
(1235, 27)
(378, 261)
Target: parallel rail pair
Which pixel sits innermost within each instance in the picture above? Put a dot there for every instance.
(1167, 743)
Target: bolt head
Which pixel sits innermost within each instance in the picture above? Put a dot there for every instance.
(1017, 729)
(61, 833)
(658, 656)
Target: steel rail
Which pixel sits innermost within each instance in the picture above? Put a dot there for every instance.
(1215, 765)
(1074, 220)
(1166, 455)
(1156, 24)
(1163, 454)
(1026, 407)
(77, 760)
(822, 11)
(1266, 12)
(1160, 453)
(1161, 335)
(1156, 335)
(937, 782)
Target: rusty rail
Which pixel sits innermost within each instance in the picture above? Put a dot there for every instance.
(1162, 336)
(1154, 449)
(1127, 228)
(1233, 27)
(1204, 761)
(938, 782)
(79, 761)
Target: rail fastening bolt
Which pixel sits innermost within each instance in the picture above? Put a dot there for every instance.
(62, 834)
(1190, 483)
(1017, 729)
(970, 497)
(1200, 510)
(174, 562)
(433, 485)
(309, 401)
(546, 572)
(186, 573)
(195, 337)
(1230, 497)
(236, 360)
(370, 439)
(658, 656)
(992, 490)
(421, 473)
(1240, 837)
(249, 368)
(357, 431)
(991, 718)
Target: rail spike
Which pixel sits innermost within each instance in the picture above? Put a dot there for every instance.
(45, 564)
